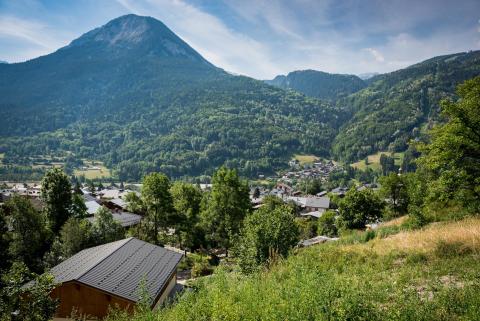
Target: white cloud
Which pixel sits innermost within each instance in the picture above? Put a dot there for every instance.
(208, 35)
(38, 38)
(376, 54)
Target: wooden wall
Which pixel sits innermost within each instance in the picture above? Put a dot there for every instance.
(94, 302)
(88, 301)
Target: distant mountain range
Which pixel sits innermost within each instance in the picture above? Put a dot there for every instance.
(3, 62)
(368, 75)
(134, 95)
(137, 97)
(319, 84)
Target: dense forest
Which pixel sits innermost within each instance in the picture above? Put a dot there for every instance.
(138, 98)
(401, 105)
(319, 84)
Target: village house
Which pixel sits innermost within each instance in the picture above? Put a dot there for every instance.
(311, 204)
(115, 274)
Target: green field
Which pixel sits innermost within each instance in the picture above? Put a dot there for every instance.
(306, 159)
(374, 161)
(95, 170)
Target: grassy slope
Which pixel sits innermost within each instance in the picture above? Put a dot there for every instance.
(102, 172)
(374, 161)
(305, 159)
(430, 274)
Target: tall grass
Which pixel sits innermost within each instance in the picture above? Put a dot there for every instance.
(416, 275)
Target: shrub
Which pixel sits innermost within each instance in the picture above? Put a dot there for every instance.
(327, 224)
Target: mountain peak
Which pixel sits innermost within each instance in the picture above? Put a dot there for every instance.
(141, 34)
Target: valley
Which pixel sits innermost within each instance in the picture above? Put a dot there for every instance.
(139, 180)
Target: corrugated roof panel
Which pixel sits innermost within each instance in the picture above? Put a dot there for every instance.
(83, 261)
(122, 272)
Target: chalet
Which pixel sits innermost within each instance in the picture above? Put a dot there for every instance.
(312, 204)
(286, 189)
(114, 274)
(126, 219)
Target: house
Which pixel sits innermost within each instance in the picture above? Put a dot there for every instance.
(313, 214)
(126, 219)
(114, 274)
(92, 207)
(312, 204)
(317, 240)
(286, 189)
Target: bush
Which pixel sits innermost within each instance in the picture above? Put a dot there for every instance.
(327, 224)
(201, 268)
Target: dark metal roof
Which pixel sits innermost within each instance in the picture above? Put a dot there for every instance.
(119, 268)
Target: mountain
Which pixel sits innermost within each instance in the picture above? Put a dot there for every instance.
(135, 96)
(3, 62)
(319, 84)
(368, 75)
(398, 106)
(96, 74)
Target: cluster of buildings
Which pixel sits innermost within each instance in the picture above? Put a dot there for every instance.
(113, 199)
(318, 170)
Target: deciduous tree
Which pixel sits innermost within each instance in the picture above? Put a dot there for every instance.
(56, 193)
(228, 204)
(267, 232)
(158, 202)
(358, 208)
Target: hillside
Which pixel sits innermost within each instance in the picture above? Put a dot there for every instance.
(398, 106)
(427, 274)
(135, 96)
(319, 84)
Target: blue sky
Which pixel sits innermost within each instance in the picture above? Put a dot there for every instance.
(263, 38)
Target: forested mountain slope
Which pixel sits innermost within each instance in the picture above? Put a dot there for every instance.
(397, 106)
(319, 84)
(137, 97)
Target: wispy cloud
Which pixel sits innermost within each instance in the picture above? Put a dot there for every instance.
(263, 38)
(207, 34)
(37, 37)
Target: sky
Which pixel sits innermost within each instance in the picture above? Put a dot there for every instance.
(263, 38)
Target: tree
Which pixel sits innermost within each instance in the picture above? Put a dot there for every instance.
(91, 187)
(28, 235)
(256, 193)
(76, 235)
(394, 188)
(105, 228)
(387, 163)
(266, 234)
(327, 224)
(158, 202)
(78, 209)
(227, 205)
(78, 188)
(186, 201)
(57, 197)
(28, 303)
(55, 255)
(135, 203)
(453, 155)
(358, 208)
(4, 242)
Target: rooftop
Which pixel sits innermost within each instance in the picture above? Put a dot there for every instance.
(119, 267)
